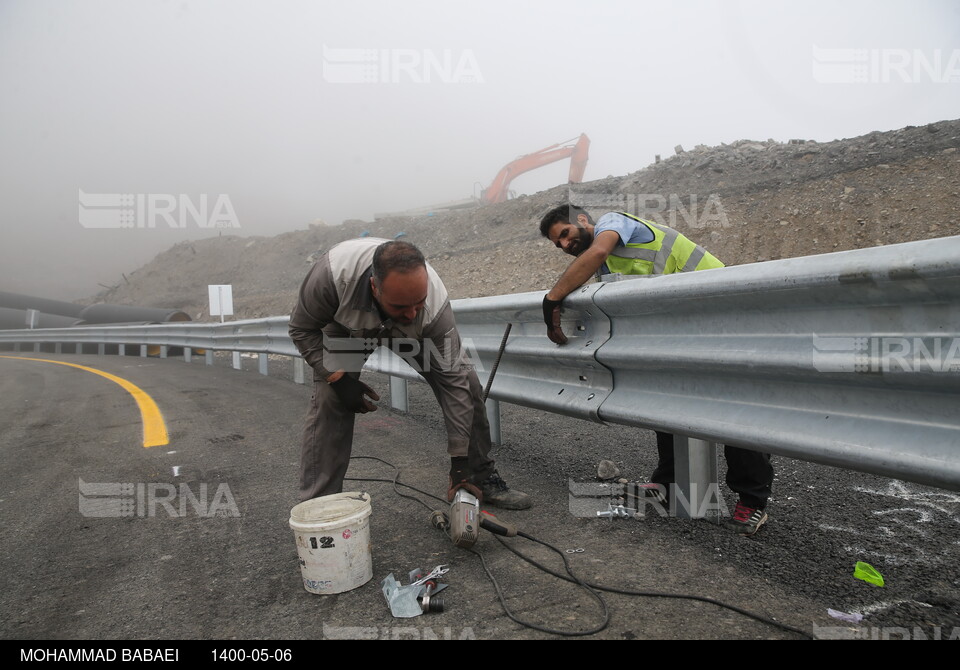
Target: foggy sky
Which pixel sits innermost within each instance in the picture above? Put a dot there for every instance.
(298, 111)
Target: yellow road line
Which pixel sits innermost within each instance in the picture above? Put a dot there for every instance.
(154, 429)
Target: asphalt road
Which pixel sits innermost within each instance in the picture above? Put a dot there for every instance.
(85, 561)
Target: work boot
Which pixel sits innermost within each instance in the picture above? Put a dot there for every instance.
(747, 520)
(497, 493)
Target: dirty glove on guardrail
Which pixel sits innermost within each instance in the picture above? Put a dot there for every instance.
(551, 317)
(351, 393)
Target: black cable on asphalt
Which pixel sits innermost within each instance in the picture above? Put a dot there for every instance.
(572, 578)
(656, 594)
(496, 585)
(588, 586)
(395, 481)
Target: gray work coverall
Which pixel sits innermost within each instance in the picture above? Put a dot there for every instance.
(336, 325)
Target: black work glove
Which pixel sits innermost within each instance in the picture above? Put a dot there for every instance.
(551, 317)
(351, 392)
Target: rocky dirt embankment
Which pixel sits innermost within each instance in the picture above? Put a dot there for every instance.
(747, 201)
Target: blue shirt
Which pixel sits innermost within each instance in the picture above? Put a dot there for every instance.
(630, 231)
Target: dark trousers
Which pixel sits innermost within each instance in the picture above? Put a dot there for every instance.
(327, 439)
(749, 473)
(326, 444)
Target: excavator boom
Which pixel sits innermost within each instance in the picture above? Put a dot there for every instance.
(577, 152)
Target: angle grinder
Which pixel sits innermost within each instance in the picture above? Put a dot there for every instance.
(465, 519)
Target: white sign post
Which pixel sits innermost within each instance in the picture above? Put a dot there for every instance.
(221, 300)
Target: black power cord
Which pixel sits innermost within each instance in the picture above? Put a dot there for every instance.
(496, 585)
(394, 481)
(570, 576)
(660, 594)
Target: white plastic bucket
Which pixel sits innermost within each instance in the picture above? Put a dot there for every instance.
(333, 542)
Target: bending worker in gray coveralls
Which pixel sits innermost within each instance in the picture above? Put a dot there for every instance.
(368, 292)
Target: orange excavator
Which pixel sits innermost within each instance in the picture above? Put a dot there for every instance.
(498, 191)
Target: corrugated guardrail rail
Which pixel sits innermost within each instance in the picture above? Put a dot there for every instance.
(849, 359)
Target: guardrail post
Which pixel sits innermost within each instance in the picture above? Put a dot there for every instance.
(16, 347)
(237, 365)
(78, 347)
(398, 394)
(143, 351)
(493, 416)
(58, 348)
(208, 357)
(298, 370)
(163, 351)
(187, 354)
(696, 473)
(36, 347)
(262, 364)
(121, 350)
(101, 349)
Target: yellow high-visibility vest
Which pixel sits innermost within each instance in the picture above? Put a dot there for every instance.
(669, 252)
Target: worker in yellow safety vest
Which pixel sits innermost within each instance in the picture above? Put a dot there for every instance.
(622, 243)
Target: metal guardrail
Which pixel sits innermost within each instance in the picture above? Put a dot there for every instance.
(533, 371)
(849, 359)
(255, 335)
